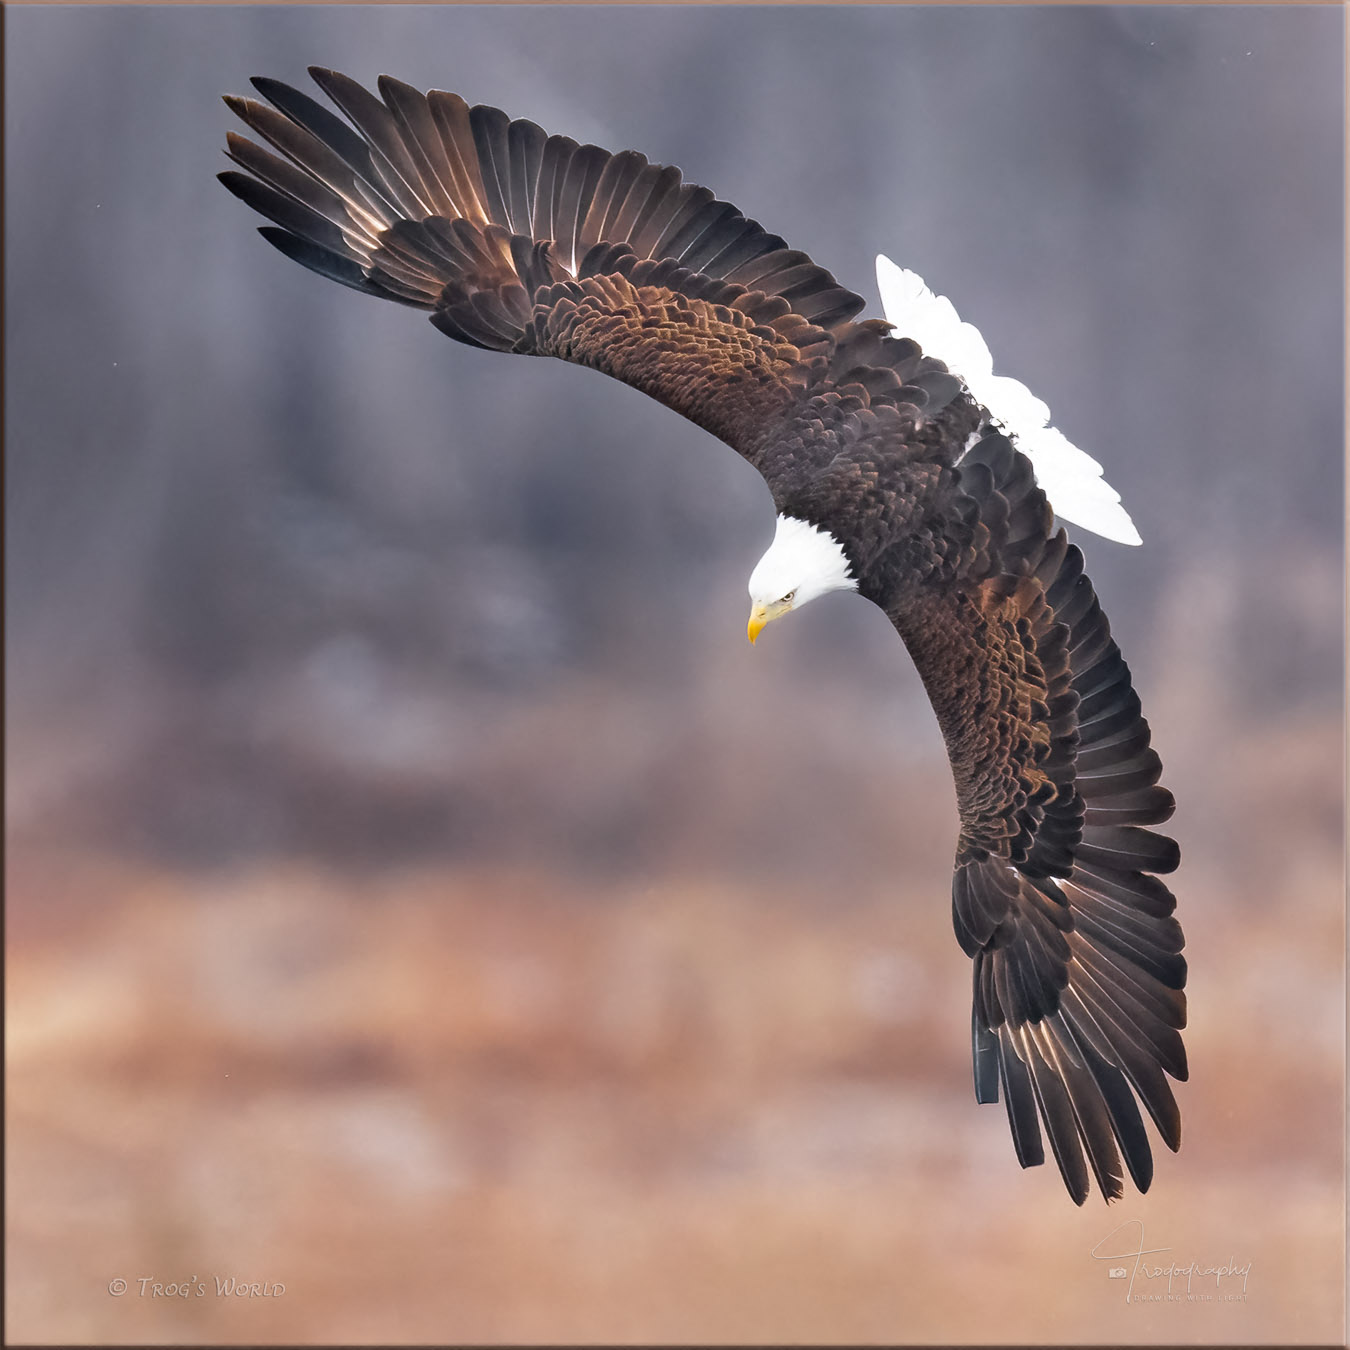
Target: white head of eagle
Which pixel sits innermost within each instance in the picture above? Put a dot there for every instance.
(803, 562)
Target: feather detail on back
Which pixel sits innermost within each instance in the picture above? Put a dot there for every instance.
(1070, 478)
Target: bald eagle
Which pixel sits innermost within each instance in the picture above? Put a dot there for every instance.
(894, 474)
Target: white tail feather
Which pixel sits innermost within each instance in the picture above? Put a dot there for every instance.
(1071, 479)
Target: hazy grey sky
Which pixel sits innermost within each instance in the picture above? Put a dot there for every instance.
(218, 462)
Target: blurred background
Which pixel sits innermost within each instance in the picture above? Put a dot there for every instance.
(422, 897)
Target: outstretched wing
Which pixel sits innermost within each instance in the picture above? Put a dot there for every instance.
(524, 242)
(1078, 972)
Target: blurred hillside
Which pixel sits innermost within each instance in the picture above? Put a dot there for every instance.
(419, 892)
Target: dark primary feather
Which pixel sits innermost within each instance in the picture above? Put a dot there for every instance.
(515, 240)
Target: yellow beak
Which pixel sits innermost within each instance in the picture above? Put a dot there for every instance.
(761, 615)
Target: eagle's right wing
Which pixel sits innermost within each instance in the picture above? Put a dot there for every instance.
(1078, 973)
(519, 241)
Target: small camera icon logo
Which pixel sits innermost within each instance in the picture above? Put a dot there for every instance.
(1116, 1273)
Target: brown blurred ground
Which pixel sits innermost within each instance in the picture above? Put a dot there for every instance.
(493, 1103)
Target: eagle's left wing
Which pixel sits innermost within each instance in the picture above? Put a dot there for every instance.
(518, 241)
(1078, 972)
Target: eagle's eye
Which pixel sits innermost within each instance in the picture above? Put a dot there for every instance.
(787, 599)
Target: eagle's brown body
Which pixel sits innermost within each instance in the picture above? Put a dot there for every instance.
(520, 242)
